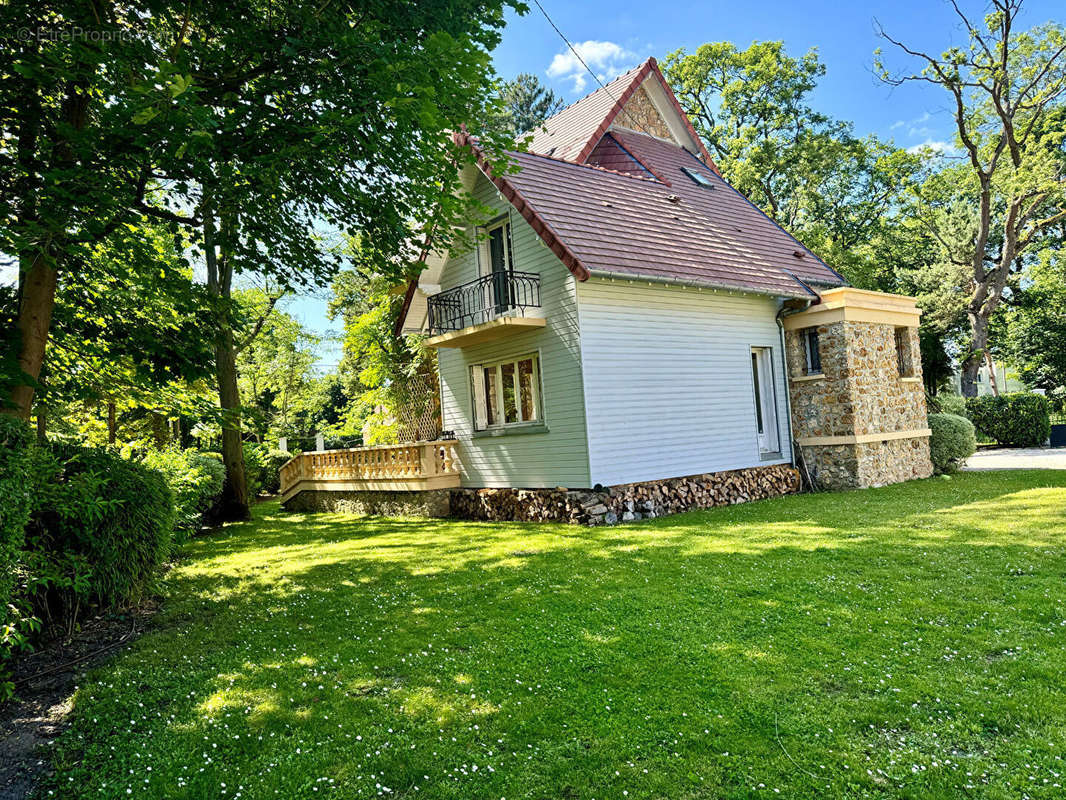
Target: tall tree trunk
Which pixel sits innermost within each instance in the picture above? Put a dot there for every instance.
(111, 426)
(37, 298)
(234, 502)
(235, 491)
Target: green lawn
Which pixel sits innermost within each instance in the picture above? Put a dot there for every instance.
(900, 642)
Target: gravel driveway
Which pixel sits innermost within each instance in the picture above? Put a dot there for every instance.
(1017, 458)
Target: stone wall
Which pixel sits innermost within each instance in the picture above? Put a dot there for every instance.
(626, 502)
(431, 503)
(640, 114)
(859, 422)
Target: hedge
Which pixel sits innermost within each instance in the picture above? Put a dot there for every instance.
(952, 441)
(1020, 419)
(103, 526)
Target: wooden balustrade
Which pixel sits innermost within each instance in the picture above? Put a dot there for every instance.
(392, 467)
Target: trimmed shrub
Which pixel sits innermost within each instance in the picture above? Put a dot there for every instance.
(952, 441)
(102, 528)
(196, 479)
(945, 403)
(1021, 419)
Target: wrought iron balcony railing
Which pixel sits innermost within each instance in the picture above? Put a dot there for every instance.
(482, 300)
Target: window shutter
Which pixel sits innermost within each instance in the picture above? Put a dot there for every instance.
(484, 257)
(477, 376)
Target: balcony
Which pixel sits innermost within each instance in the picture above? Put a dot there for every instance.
(493, 306)
(412, 467)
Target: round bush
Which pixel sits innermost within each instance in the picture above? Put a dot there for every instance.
(113, 519)
(1021, 419)
(952, 441)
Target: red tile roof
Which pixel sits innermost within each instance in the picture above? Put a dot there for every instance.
(611, 200)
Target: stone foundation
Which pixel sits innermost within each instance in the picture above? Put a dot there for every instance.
(627, 502)
(868, 464)
(429, 503)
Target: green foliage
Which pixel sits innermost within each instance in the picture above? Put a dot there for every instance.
(195, 478)
(16, 504)
(273, 461)
(102, 527)
(952, 441)
(948, 403)
(254, 468)
(1036, 333)
(1020, 419)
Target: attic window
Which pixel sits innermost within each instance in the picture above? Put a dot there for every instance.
(698, 177)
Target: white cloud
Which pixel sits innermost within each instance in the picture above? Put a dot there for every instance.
(607, 59)
(940, 148)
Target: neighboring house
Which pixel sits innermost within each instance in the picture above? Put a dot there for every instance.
(1005, 381)
(629, 318)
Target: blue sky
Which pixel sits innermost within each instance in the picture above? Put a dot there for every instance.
(616, 35)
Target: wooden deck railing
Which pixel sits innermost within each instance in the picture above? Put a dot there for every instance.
(405, 467)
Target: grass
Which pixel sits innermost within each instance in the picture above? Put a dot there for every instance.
(906, 642)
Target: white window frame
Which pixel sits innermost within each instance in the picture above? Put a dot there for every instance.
(485, 265)
(764, 398)
(480, 401)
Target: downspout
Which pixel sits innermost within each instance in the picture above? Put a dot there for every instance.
(788, 392)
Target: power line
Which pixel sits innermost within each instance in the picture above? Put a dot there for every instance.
(595, 77)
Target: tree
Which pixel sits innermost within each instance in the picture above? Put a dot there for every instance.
(833, 191)
(527, 103)
(1006, 88)
(1036, 338)
(254, 126)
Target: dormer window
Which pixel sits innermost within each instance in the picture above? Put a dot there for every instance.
(698, 177)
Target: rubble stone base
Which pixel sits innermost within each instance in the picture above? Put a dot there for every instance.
(853, 466)
(433, 503)
(626, 502)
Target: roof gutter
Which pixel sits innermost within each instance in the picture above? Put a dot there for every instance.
(667, 281)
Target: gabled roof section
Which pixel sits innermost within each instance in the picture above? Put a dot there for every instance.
(573, 133)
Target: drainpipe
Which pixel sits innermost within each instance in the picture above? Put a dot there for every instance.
(788, 392)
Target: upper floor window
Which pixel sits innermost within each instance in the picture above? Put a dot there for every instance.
(811, 352)
(904, 360)
(507, 392)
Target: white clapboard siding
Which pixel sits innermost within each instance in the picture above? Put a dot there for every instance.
(560, 456)
(667, 377)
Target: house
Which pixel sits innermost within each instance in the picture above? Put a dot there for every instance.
(632, 336)
(1001, 381)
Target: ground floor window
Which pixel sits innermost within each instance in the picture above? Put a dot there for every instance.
(506, 392)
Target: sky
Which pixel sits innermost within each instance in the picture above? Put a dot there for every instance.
(614, 36)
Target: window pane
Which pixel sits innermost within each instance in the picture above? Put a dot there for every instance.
(758, 390)
(496, 245)
(526, 389)
(510, 402)
(491, 401)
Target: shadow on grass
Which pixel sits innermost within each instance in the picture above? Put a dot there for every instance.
(868, 631)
